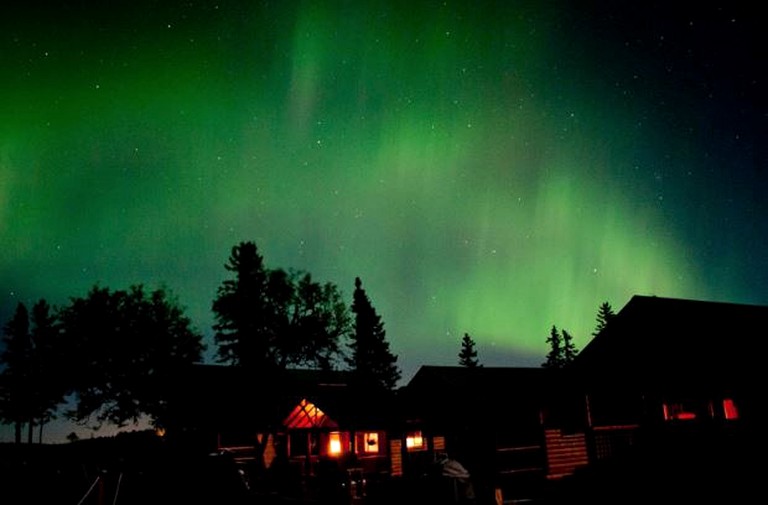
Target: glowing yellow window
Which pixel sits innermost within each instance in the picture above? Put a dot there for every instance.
(414, 441)
(334, 443)
(371, 444)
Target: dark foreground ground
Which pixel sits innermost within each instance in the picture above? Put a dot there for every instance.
(136, 468)
(677, 469)
(141, 469)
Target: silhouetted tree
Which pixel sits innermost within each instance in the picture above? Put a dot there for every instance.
(468, 353)
(15, 403)
(244, 331)
(569, 348)
(562, 350)
(319, 321)
(124, 349)
(47, 367)
(269, 320)
(32, 388)
(604, 315)
(372, 362)
(555, 357)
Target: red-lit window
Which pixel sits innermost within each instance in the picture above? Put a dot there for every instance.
(414, 441)
(678, 411)
(729, 409)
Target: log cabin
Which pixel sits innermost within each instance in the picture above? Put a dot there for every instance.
(305, 431)
(664, 373)
(666, 364)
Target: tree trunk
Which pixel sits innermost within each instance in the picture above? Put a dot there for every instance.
(30, 431)
(17, 432)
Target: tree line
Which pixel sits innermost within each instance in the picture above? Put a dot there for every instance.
(113, 351)
(562, 350)
(113, 355)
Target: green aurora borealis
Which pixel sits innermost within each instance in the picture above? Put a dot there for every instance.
(485, 167)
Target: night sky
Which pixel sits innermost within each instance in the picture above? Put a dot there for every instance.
(484, 167)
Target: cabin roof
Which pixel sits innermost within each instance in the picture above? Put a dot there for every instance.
(220, 394)
(676, 341)
(462, 396)
(465, 379)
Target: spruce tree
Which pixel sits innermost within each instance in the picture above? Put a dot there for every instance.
(604, 315)
(371, 361)
(569, 348)
(15, 385)
(468, 354)
(48, 377)
(555, 358)
(244, 331)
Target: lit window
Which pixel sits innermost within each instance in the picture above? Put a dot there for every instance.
(334, 443)
(414, 441)
(729, 409)
(307, 415)
(678, 411)
(371, 444)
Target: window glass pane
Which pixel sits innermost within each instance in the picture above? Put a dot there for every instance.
(371, 443)
(729, 409)
(415, 441)
(334, 443)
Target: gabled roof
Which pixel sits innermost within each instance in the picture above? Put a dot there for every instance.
(230, 396)
(307, 415)
(670, 341)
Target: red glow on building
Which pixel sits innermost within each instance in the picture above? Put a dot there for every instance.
(677, 411)
(729, 409)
